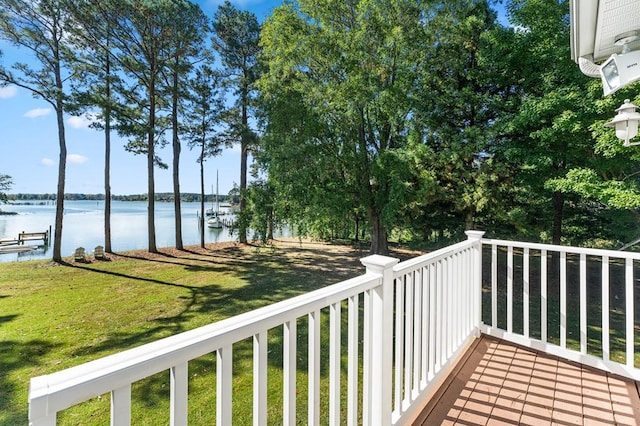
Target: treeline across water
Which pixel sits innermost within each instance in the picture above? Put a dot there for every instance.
(160, 196)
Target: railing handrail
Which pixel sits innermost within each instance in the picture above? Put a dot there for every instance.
(104, 374)
(561, 302)
(563, 249)
(434, 256)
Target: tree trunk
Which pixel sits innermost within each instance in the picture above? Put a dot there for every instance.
(107, 155)
(107, 180)
(379, 238)
(151, 216)
(558, 212)
(62, 163)
(202, 214)
(176, 164)
(244, 148)
(469, 220)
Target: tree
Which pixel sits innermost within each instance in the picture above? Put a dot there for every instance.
(236, 36)
(94, 58)
(140, 37)
(38, 27)
(340, 95)
(187, 34)
(544, 134)
(459, 111)
(5, 185)
(205, 103)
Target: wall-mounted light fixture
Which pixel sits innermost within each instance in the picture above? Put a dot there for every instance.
(622, 69)
(626, 123)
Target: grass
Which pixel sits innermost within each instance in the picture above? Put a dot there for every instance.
(57, 316)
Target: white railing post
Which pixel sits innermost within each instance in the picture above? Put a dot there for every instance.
(379, 392)
(477, 277)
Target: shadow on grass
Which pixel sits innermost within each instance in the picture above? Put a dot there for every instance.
(16, 355)
(272, 276)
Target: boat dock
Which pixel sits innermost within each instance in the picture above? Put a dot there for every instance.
(9, 245)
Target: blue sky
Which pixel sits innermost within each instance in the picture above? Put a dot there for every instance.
(29, 143)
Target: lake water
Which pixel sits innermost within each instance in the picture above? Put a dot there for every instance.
(83, 225)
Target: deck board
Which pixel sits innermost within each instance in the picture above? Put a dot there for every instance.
(502, 383)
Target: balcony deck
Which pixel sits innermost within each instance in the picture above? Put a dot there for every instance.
(498, 382)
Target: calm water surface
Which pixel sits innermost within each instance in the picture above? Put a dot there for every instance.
(83, 225)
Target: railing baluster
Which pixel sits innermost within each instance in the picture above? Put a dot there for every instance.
(439, 316)
(408, 336)
(605, 308)
(417, 328)
(366, 358)
(543, 295)
(583, 303)
(121, 406)
(510, 289)
(424, 366)
(563, 299)
(224, 388)
(445, 325)
(352, 366)
(179, 394)
(313, 416)
(525, 292)
(260, 378)
(433, 322)
(450, 314)
(399, 344)
(334, 363)
(494, 286)
(629, 311)
(289, 374)
(457, 316)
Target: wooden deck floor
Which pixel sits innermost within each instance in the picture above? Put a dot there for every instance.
(501, 383)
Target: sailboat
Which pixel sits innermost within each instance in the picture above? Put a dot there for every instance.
(214, 222)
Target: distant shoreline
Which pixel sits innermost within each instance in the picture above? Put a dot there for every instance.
(43, 199)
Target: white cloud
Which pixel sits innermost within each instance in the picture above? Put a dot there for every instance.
(8, 92)
(47, 162)
(82, 122)
(78, 122)
(37, 112)
(76, 159)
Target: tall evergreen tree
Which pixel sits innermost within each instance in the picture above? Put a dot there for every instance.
(187, 33)
(202, 119)
(139, 33)
(545, 132)
(236, 37)
(95, 60)
(39, 28)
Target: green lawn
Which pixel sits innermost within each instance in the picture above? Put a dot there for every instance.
(57, 316)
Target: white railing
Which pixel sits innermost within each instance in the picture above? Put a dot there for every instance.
(437, 313)
(574, 294)
(417, 318)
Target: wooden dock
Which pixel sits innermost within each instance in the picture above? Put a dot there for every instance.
(23, 236)
(34, 236)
